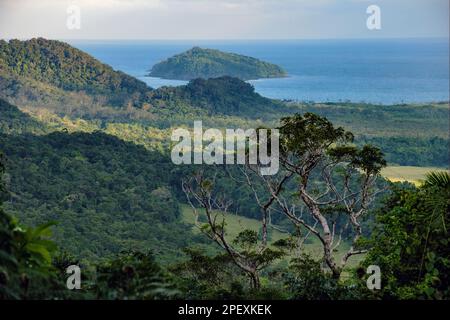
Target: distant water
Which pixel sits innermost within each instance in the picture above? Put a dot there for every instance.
(377, 71)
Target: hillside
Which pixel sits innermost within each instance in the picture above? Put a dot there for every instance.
(225, 96)
(105, 195)
(45, 74)
(209, 63)
(39, 70)
(13, 121)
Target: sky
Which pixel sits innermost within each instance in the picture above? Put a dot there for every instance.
(221, 19)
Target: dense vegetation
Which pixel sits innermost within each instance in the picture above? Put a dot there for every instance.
(209, 63)
(411, 242)
(220, 96)
(49, 74)
(385, 120)
(33, 267)
(106, 195)
(412, 228)
(408, 151)
(89, 181)
(399, 130)
(57, 65)
(414, 135)
(13, 121)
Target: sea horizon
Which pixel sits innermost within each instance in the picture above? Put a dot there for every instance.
(378, 71)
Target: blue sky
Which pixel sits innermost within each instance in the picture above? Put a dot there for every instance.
(222, 19)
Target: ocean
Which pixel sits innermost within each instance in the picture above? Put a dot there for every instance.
(386, 71)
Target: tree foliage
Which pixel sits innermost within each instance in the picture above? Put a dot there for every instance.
(411, 244)
(58, 64)
(209, 63)
(106, 195)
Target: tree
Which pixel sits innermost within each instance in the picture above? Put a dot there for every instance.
(133, 275)
(246, 251)
(411, 244)
(335, 183)
(25, 255)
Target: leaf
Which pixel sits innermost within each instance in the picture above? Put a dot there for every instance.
(41, 251)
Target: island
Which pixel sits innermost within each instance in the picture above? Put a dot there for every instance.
(209, 63)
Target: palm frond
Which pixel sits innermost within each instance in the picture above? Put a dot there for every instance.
(440, 179)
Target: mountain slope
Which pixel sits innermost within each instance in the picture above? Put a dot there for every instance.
(52, 75)
(40, 69)
(220, 96)
(210, 63)
(106, 195)
(14, 121)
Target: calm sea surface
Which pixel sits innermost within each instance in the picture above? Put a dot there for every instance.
(377, 71)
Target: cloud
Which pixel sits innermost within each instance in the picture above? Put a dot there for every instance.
(199, 19)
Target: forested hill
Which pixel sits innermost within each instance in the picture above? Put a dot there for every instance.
(105, 195)
(61, 66)
(224, 95)
(209, 63)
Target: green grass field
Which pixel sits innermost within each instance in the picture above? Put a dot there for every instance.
(404, 173)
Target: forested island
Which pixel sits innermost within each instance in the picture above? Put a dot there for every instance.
(209, 63)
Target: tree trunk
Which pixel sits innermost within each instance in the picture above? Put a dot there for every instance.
(327, 237)
(255, 282)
